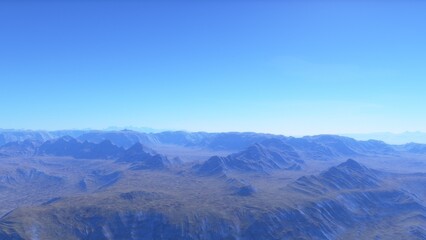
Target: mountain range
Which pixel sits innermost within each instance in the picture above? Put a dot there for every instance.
(314, 147)
(182, 185)
(392, 138)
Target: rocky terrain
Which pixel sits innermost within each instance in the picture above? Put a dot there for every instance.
(178, 185)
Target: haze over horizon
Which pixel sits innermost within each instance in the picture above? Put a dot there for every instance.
(292, 68)
(387, 137)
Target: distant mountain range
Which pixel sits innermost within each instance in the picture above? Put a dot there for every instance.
(270, 151)
(68, 146)
(219, 140)
(392, 138)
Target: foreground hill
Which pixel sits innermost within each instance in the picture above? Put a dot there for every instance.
(355, 202)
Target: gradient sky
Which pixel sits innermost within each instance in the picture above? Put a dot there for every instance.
(288, 67)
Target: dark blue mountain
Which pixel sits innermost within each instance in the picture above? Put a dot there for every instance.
(269, 155)
(68, 146)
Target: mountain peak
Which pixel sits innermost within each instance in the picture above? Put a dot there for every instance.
(345, 176)
(352, 165)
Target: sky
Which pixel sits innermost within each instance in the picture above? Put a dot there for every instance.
(286, 67)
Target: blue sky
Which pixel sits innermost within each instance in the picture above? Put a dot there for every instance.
(288, 67)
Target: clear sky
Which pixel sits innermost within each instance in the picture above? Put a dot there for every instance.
(288, 67)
